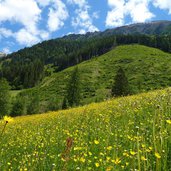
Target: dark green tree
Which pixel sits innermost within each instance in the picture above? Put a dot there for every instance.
(73, 89)
(18, 107)
(65, 103)
(4, 97)
(121, 85)
(34, 105)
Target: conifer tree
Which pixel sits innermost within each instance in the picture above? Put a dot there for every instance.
(18, 107)
(121, 85)
(4, 97)
(34, 105)
(73, 89)
(65, 103)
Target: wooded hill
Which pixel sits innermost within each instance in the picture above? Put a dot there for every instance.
(146, 69)
(46, 68)
(27, 67)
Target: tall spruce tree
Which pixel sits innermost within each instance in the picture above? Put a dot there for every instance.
(73, 89)
(4, 97)
(65, 103)
(18, 107)
(121, 85)
(34, 105)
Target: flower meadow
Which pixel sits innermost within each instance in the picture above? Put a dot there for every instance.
(128, 133)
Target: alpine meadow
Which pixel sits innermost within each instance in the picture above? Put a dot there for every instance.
(99, 101)
(126, 133)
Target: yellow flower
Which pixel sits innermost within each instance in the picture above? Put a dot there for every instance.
(168, 121)
(132, 153)
(97, 164)
(75, 160)
(8, 119)
(90, 153)
(125, 154)
(78, 148)
(143, 145)
(96, 142)
(157, 155)
(109, 168)
(143, 158)
(101, 154)
(149, 149)
(82, 160)
(109, 148)
(122, 166)
(108, 158)
(116, 161)
(9, 163)
(126, 163)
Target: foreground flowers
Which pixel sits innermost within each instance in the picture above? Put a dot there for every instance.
(168, 121)
(158, 156)
(121, 134)
(8, 119)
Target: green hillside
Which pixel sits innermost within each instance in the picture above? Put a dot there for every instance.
(129, 133)
(146, 69)
(27, 67)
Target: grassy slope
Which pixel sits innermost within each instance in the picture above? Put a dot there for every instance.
(130, 133)
(147, 69)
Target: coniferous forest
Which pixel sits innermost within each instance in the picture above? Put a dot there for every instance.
(26, 68)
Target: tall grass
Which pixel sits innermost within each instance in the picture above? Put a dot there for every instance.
(129, 133)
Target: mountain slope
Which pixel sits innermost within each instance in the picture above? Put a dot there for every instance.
(151, 28)
(70, 50)
(146, 69)
(130, 133)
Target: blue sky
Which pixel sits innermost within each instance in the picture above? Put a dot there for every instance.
(24, 23)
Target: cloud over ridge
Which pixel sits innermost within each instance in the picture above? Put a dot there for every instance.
(26, 22)
(137, 10)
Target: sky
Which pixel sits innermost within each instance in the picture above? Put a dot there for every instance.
(24, 23)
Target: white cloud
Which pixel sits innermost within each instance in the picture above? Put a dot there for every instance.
(57, 15)
(115, 17)
(25, 12)
(6, 50)
(83, 21)
(43, 3)
(6, 32)
(116, 3)
(26, 37)
(23, 36)
(95, 15)
(82, 31)
(138, 10)
(28, 14)
(163, 4)
(43, 34)
(80, 3)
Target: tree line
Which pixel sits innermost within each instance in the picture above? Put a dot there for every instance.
(27, 67)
